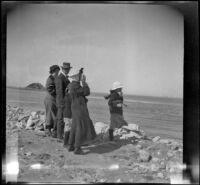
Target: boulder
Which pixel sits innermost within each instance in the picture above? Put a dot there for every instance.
(132, 127)
(130, 135)
(101, 127)
(144, 156)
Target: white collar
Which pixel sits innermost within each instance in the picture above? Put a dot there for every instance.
(63, 73)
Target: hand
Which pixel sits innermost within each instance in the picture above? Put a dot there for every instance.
(119, 105)
(83, 78)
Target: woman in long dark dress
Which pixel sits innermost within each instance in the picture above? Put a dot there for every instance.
(82, 129)
(50, 99)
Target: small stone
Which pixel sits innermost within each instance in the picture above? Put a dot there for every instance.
(160, 175)
(154, 167)
(28, 154)
(155, 139)
(139, 146)
(155, 159)
(170, 154)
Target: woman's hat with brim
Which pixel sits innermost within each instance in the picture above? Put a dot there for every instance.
(116, 85)
(66, 65)
(53, 68)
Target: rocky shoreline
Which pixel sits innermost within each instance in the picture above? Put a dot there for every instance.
(132, 157)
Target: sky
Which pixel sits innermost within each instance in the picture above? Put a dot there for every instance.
(139, 45)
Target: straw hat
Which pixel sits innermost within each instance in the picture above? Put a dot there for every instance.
(116, 85)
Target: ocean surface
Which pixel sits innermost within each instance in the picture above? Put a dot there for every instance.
(155, 115)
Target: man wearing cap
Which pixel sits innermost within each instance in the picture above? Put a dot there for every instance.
(61, 82)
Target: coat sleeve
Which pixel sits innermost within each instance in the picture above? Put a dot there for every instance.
(83, 91)
(59, 92)
(113, 101)
(50, 86)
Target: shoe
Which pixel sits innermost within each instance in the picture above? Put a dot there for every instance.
(71, 148)
(78, 151)
(66, 139)
(54, 135)
(48, 132)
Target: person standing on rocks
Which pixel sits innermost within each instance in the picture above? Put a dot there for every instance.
(62, 82)
(50, 99)
(82, 129)
(67, 117)
(116, 108)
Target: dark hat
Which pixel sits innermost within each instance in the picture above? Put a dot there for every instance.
(66, 65)
(53, 68)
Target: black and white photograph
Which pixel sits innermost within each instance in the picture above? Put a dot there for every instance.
(94, 93)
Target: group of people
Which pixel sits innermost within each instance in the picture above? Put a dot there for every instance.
(67, 115)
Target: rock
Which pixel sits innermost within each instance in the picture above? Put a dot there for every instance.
(130, 135)
(144, 156)
(40, 133)
(155, 159)
(160, 175)
(162, 165)
(132, 127)
(155, 139)
(100, 127)
(30, 122)
(170, 154)
(154, 167)
(165, 141)
(28, 154)
(139, 146)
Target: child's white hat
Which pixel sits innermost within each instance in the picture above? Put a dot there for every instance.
(116, 85)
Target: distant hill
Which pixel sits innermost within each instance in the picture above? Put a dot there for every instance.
(36, 86)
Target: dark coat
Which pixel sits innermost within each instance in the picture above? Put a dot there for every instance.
(116, 117)
(50, 101)
(61, 84)
(115, 98)
(67, 106)
(82, 127)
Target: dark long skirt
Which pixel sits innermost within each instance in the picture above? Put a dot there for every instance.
(50, 110)
(117, 121)
(82, 130)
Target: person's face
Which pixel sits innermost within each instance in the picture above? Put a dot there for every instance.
(56, 72)
(66, 71)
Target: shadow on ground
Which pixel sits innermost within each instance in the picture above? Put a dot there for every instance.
(107, 147)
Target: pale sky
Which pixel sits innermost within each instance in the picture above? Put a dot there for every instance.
(139, 45)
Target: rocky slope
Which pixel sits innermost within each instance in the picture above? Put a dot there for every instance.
(132, 157)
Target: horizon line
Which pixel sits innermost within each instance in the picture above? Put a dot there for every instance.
(126, 94)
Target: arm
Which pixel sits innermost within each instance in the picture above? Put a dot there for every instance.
(50, 87)
(113, 101)
(83, 91)
(59, 92)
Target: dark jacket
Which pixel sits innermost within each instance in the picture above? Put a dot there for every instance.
(114, 99)
(67, 106)
(82, 127)
(61, 84)
(50, 86)
(50, 101)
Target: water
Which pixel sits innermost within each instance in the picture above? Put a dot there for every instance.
(156, 116)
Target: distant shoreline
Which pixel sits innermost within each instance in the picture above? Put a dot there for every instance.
(127, 97)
